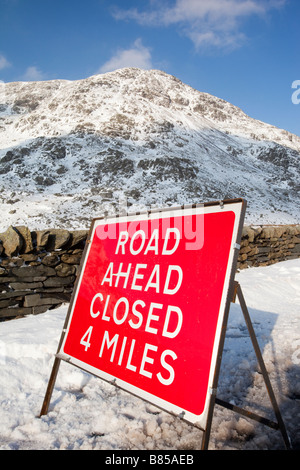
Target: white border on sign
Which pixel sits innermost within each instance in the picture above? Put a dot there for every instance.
(198, 420)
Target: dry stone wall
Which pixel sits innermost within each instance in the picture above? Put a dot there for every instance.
(38, 268)
(265, 245)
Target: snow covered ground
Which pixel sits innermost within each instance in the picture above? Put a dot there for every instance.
(87, 413)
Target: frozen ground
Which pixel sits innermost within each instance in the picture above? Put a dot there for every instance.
(87, 413)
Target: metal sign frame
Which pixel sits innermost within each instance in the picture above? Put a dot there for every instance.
(277, 425)
(229, 291)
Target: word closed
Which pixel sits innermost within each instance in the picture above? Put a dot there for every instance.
(146, 311)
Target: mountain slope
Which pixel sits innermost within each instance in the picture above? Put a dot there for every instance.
(132, 139)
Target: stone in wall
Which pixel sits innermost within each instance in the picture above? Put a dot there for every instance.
(25, 234)
(58, 239)
(41, 239)
(11, 241)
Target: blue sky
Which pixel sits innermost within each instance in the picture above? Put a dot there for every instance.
(244, 51)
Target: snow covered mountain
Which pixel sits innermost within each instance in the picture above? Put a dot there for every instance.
(135, 139)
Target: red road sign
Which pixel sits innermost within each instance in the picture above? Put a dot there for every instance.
(149, 304)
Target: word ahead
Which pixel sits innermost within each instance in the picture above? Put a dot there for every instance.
(148, 307)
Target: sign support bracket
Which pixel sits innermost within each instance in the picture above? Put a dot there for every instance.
(279, 425)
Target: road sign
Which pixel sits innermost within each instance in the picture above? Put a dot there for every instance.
(148, 307)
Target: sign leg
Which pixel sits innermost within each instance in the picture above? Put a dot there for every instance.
(263, 367)
(50, 387)
(206, 433)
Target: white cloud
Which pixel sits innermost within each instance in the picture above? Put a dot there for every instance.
(33, 74)
(137, 56)
(214, 23)
(3, 62)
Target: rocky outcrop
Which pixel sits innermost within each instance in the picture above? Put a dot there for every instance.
(38, 268)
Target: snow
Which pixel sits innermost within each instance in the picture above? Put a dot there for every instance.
(70, 149)
(88, 413)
